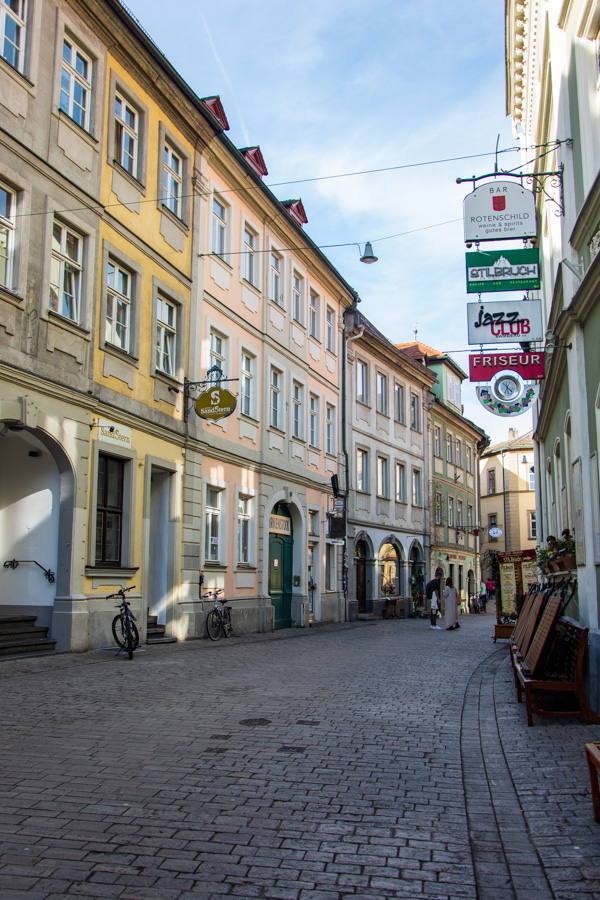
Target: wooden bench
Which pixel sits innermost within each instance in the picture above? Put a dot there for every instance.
(553, 664)
(592, 755)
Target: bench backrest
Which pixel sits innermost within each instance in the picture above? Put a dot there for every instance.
(542, 633)
(565, 658)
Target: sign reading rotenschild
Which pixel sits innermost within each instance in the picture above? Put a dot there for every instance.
(505, 322)
(216, 403)
(499, 210)
(483, 366)
(503, 270)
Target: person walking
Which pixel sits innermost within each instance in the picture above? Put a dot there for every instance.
(435, 606)
(451, 603)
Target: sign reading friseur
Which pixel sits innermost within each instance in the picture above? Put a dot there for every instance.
(503, 270)
(216, 403)
(499, 210)
(505, 322)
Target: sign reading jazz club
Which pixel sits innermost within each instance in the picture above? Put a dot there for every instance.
(503, 270)
(505, 322)
(483, 366)
(216, 403)
(499, 210)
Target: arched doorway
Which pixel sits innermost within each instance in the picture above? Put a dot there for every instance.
(281, 561)
(389, 571)
(417, 575)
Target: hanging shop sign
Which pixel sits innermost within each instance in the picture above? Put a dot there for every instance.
(505, 322)
(507, 395)
(499, 210)
(483, 366)
(216, 403)
(503, 270)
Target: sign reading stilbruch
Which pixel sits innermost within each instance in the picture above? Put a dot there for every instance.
(503, 270)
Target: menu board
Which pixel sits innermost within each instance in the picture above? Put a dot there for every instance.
(517, 570)
(508, 588)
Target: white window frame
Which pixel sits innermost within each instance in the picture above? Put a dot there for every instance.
(119, 297)
(250, 255)
(244, 527)
(458, 460)
(330, 330)
(469, 453)
(213, 516)
(491, 480)
(415, 413)
(71, 72)
(330, 567)
(437, 441)
(218, 346)
(17, 20)
(314, 315)
(449, 447)
(172, 189)
(297, 410)
(247, 383)
(459, 514)
(362, 470)
(219, 226)
(417, 488)
(8, 237)
(63, 264)
(166, 336)
(532, 525)
(123, 129)
(275, 398)
(531, 477)
(330, 430)
(381, 381)
(399, 404)
(450, 512)
(314, 415)
(276, 278)
(362, 382)
(400, 482)
(439, 507)
(383, 477)
(470, 515)
(297, 298)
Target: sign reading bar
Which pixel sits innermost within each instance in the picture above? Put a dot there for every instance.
(483, 366)
(217, 403)
(280, 524)
(499, 210)
(503, 270)
(505, 322)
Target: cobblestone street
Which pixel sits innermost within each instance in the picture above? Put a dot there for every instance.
(369, 760)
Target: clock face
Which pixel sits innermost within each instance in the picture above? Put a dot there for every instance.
(507, 388)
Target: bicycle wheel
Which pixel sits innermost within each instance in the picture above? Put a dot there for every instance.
(119, 631)
(226, 621)
(213, 625)
(129, 638)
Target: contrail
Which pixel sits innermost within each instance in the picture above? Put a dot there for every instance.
(225, 75)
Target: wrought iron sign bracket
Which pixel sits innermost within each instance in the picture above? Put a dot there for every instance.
(536, 180)
(192, 389)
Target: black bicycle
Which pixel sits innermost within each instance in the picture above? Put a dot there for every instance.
(124, 628)
(218, 620)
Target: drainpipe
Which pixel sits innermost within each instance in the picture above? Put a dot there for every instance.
(346, 492)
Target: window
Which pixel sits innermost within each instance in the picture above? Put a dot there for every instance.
(172, 181)
(459, 513)
(451, 512)
(330, 429)
(491, 481)
(243, 530)
(400, 483)
(492, 523)
(532, 526)
(275, 292)
(362, 470)
(212, 525)
(453, 385)
(247, 383)
(458, 453)
(314, 415)
(314, 314)
(330, 330)
(126, 135)
(297, 413)
(417, 497)
(469, 460)
(313, 521)
(362, 382)
(65, 271)
(449, 446)
(415, 422)
(470, 516)
(531, 478)
(118, 306)
(382, 393)
(217, 351)
(109, 510)
(75, 83)
(8, 206)
(330, 567)
(438, 508)
(249, 256)
(399, 403)
(382, 476)
(219, 227)
(13, 13)
(166, 335)
(298, 298)
(437, 441)
(275, 399)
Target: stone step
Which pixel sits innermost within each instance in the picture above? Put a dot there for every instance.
(37, 645)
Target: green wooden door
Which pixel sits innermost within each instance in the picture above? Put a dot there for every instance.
(280, 578)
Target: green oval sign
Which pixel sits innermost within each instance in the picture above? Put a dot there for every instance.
(217, 403)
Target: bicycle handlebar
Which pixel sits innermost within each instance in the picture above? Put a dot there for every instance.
(120, 593)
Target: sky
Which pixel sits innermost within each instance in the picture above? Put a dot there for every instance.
(337, 87)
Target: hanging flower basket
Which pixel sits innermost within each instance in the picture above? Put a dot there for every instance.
(566, 562)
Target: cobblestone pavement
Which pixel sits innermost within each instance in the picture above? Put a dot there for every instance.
(358, 761)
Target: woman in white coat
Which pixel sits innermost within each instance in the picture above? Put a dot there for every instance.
(450, 605)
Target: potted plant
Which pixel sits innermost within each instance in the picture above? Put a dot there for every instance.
(565, 554)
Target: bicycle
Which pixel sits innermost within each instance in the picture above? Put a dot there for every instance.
(218, 620)
(124, 628)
